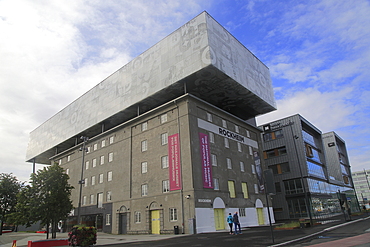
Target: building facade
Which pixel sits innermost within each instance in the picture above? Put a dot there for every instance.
(172, 139)
(307, 184)
(362, 186)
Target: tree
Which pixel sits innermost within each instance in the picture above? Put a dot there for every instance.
(9, 188)
(47, 199)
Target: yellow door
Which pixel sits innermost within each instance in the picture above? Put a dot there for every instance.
(219, 218)
(261, 220)
(156, 222)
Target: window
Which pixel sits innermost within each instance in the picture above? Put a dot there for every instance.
(111, 140)
(110, 176)
(144, 167)
(67, 171)
(87, 164)
(164, 138)
(109, 196)
(214, 159)
(273, 135)
(100, 200)
(242, 212)
(144, 146)
(165, 186)
(231, 186)
(293, 186)
(277, 187)
(84, 200)
(256, 188)
(86, 182)
(242, 166)
(144, 190)
(88, 150)
(68, 158)
(280, 168)
(250, 150)
(94, 163)
(95, 147)
(236, 128)
(245, 190)
(144, 126)
(253, 169)
(228, 162)
(216, 185)
(92, 199)
(103, 143)
(211, 137)
(110, 157)
(164, 161)
(209, 117)
(164, 118)
(224, 123)
(93, 180)
(60, 161)
(102, 160)
(274, 152)
(173, 214)
(101, 178)
(137, 217)
(107, 219)
(226, 141)
(248, 134)
(239, 146)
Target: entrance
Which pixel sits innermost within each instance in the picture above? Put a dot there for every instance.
(156, 222)
(122, 223)
(219, 218)
(261, 219)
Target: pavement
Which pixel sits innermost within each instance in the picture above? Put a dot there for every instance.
(281, 237)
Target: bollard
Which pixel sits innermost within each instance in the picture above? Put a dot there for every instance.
(14, 243)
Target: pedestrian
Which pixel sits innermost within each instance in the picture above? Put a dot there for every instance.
(236, 224)
(230, 220)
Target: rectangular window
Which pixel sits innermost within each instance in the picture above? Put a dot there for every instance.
(277, 187)
(242, 212)
(137, 217)
(209, 117)
(68, 158)
(94, 163)
(103, 143)
(173, 214)
(242, 166)
(216, 185)
(248, 134)
(144, 146)
(163, 118)
(231, 186)
(214, 159)
(236, 128)
(86, 182)
(211, 137)
(67, 171)
(87, 164)
(164, 138)
(84, 200)
(224, 123)
(255, 188)
(144, 190)
(165, 186)
(109, 196)
(110, 176)
(102, 160)
(95, 147)
(144, 126)
(280, 168)
(250, 150)
(226, 141)
(60, 161)
(253, 169)
(92, 199)
(245, 190)
(164, 161)
(144, 167)
(101, 178)
(111, 140)
(110, 157)
(228, 162)
(107, 219)
(93, 180)
(100, 200)
(88, 150)
(239, 146)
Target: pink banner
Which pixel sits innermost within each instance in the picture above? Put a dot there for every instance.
(206, 161)
(174, 162)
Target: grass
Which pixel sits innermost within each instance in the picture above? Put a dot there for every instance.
(291, 224)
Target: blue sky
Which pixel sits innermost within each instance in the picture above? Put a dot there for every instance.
(51, 52)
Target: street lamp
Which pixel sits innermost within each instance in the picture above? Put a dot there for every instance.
(81, 181)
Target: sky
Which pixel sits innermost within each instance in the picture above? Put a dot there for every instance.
(52, 52)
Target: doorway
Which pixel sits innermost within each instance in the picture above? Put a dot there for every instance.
(122, 223)
(156, 222)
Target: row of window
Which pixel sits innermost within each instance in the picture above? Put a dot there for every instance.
(224, 124)
(162, 118)
(100, 178)
(102, 161)
(99, 199)
(274, 152)
(172, 215)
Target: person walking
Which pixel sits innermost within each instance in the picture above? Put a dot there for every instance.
(236, 224)
(230, 221)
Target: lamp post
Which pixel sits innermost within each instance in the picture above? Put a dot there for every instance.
(81, 181)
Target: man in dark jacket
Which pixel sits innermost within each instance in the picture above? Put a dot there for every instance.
(236, 224)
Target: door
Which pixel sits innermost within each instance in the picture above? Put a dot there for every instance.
(156, 222)
(261, 219)
(219, 218)
(122, 223)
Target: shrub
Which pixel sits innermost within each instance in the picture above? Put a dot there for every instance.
(82, 236)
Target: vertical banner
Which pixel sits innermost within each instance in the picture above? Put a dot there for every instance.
(174, 162)
(257, 162)
(206, 160)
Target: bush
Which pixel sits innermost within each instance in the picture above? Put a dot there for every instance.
(82, 236)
